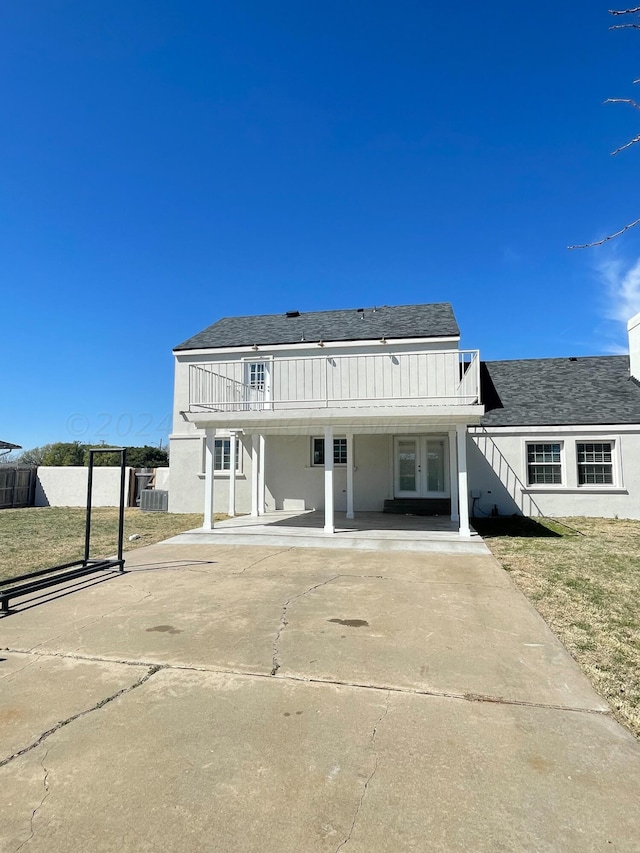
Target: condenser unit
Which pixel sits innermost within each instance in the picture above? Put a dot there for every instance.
(154, 500)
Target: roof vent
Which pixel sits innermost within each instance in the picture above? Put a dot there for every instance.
(293, 314)
(573, 358)
(360, 310)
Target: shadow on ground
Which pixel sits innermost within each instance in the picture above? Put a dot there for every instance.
(520, 526)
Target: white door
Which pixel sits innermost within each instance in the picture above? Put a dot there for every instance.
(421, 467)
(257, 385)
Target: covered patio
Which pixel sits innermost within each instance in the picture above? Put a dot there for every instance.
(368, 531)
(453, 432)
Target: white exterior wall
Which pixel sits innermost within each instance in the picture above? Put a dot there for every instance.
(633, 329)
(497, 467)
(67, 486)
(289, 475)
(186, 493)
(162, 479)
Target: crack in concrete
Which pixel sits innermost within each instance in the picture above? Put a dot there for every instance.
(308, 679)
(284, 621)
(365, 788)
(62, 723)
(261, 560)
(45, 783)
(90, 658)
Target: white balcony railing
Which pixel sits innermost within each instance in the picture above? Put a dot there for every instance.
(439, 378)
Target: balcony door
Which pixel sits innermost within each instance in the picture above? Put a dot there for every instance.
(421, 467)
(257, 385)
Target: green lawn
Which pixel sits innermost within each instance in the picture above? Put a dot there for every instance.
(583, 576)
(38, 537)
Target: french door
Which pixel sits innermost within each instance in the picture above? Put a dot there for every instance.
(421, 467)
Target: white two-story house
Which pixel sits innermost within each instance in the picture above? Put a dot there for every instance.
(347, 411)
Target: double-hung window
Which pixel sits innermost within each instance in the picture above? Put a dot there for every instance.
(595, 463)
(544, 463)
(339, 451)
(222, 454)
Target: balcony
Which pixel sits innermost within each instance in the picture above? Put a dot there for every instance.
(437, 378)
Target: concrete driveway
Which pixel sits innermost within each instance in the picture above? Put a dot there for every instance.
(259, 699)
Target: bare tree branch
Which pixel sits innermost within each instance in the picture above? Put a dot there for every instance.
(622, 101)
(610, 237)
(617, 12)
(628, 145)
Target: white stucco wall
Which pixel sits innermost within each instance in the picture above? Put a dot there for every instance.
(67, 486)
(162, 478)
(186, 493)
(497, 467)
(289, 475)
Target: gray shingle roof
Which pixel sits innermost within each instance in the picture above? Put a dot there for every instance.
(555, 391)
(401, 321)
(6, 445)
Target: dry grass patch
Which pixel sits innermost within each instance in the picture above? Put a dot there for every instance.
(583, 576)
(38, 537)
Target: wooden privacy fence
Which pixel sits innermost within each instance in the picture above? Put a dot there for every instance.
(17, 486)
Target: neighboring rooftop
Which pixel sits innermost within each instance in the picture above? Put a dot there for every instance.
(400, 321)
(555, 391)
(6, 445)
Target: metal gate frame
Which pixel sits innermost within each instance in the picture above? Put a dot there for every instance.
(43, 578)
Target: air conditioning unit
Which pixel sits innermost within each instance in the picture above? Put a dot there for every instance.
(154, 500)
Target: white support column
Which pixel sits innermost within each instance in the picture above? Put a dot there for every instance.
(254, 475)
(261, 456)
(233, 443)
(328, 480)
(209, 449)
(350, 461)
(453, 476)
(463, 489)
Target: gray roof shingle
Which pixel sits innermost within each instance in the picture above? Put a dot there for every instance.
(556, 391)
(401, 321)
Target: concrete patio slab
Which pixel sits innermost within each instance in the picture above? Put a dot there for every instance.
(52, 690)
(368, 531)
(204, 761)
(263, 699)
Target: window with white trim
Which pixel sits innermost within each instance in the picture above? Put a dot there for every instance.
(544, 463)
(595, 463)
(339, 451)
(222, 456)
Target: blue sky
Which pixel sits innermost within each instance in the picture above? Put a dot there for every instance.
(165, 164)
